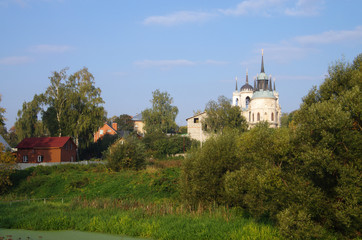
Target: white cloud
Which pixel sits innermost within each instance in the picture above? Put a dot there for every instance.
(262, 7)
(15, 60)
(305, 8)
(45, 48)
(178, 18)
(332, 37)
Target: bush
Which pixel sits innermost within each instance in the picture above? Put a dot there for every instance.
(128, 154)
(203, 170)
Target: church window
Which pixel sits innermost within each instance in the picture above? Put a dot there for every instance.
(272, 116)
(196, 120)
(237, 102)
(247, 101)
(253, 117)
(258, 117)
(249, 116)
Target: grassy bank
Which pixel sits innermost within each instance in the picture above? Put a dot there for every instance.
(135, 220)
(144, 203)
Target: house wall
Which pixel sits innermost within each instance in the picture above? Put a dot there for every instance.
(138, 126)
(49, 155)
(106, 129)
(194, 128)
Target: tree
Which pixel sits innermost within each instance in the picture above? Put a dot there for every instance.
(7, 167)
(86, 112)
(2, 111)
(222, 115)
(124, 122)
(27, 124)
(161, 117)
(56, 96)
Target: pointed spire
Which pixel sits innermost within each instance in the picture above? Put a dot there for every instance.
(270, 83)
(247, 77)
(274, 84)
(254, 83)
(262, 61)
(236, 81)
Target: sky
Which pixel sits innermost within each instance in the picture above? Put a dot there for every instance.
(192, 49)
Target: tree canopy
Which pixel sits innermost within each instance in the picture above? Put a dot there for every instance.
(2, 111)
(222, 115)
(70, 106)
(161, 117)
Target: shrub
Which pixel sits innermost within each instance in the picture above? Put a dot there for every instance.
(128, 154)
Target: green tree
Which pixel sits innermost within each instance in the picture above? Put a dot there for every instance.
(27, 123)
(56, 97)
(2, 112)
(86, 112)
(7, 167)
(124, 122)
(222, 115)
(128, 154)
(161, 117)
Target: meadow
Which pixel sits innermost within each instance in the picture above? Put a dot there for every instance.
(142, 203)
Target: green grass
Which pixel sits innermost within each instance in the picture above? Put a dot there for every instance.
(143, 204)
(219, 223)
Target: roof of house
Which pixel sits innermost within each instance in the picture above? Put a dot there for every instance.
(203, 113)
(138, 117)
(47, 142)
(110, 126)
(4, 143)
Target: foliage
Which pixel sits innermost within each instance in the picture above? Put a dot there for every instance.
(7, 166)
(287, 118)
(128, 154)
(161, 117)
(97, 149)
(71, 106)
(222, 115)
(182, 129)
(160, 145)
(27, 123)
(2, 111)
(124, 122)
(204, 169)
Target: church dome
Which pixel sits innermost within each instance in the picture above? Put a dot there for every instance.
(263, 94)
(246, 87)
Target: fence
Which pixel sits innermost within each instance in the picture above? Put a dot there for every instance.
(22, 166)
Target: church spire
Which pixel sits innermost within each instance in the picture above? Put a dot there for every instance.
(274, 84)
(262, 61)
(236, 81)
(247, 77)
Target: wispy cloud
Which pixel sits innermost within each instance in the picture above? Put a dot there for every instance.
(15, 60)
(247, 7)
(305, 8)
(329, 37)
(178, 18)
(45, 48)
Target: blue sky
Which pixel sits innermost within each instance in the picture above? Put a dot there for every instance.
(191, 49)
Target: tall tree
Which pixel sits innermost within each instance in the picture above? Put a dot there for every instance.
(2, 111)
(56, 97)
(222, 114)
(86, 112)
(27, 123)
(161, 117)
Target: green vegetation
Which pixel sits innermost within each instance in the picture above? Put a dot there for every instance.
(305, 177)
(145, 203)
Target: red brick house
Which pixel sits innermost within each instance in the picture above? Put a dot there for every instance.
(46, 149)
(106, 129)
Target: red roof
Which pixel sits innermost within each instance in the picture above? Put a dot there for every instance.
(49, 142)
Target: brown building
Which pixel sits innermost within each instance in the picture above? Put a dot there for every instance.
(46, 149)
(106, 129)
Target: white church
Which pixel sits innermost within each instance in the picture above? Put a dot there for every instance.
(258, 103)
(261, 102)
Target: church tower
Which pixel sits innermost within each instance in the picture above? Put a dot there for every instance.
(261, 102)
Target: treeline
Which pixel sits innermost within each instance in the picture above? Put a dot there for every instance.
(306, 177)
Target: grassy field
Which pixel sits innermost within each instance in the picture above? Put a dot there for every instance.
(145, 204)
